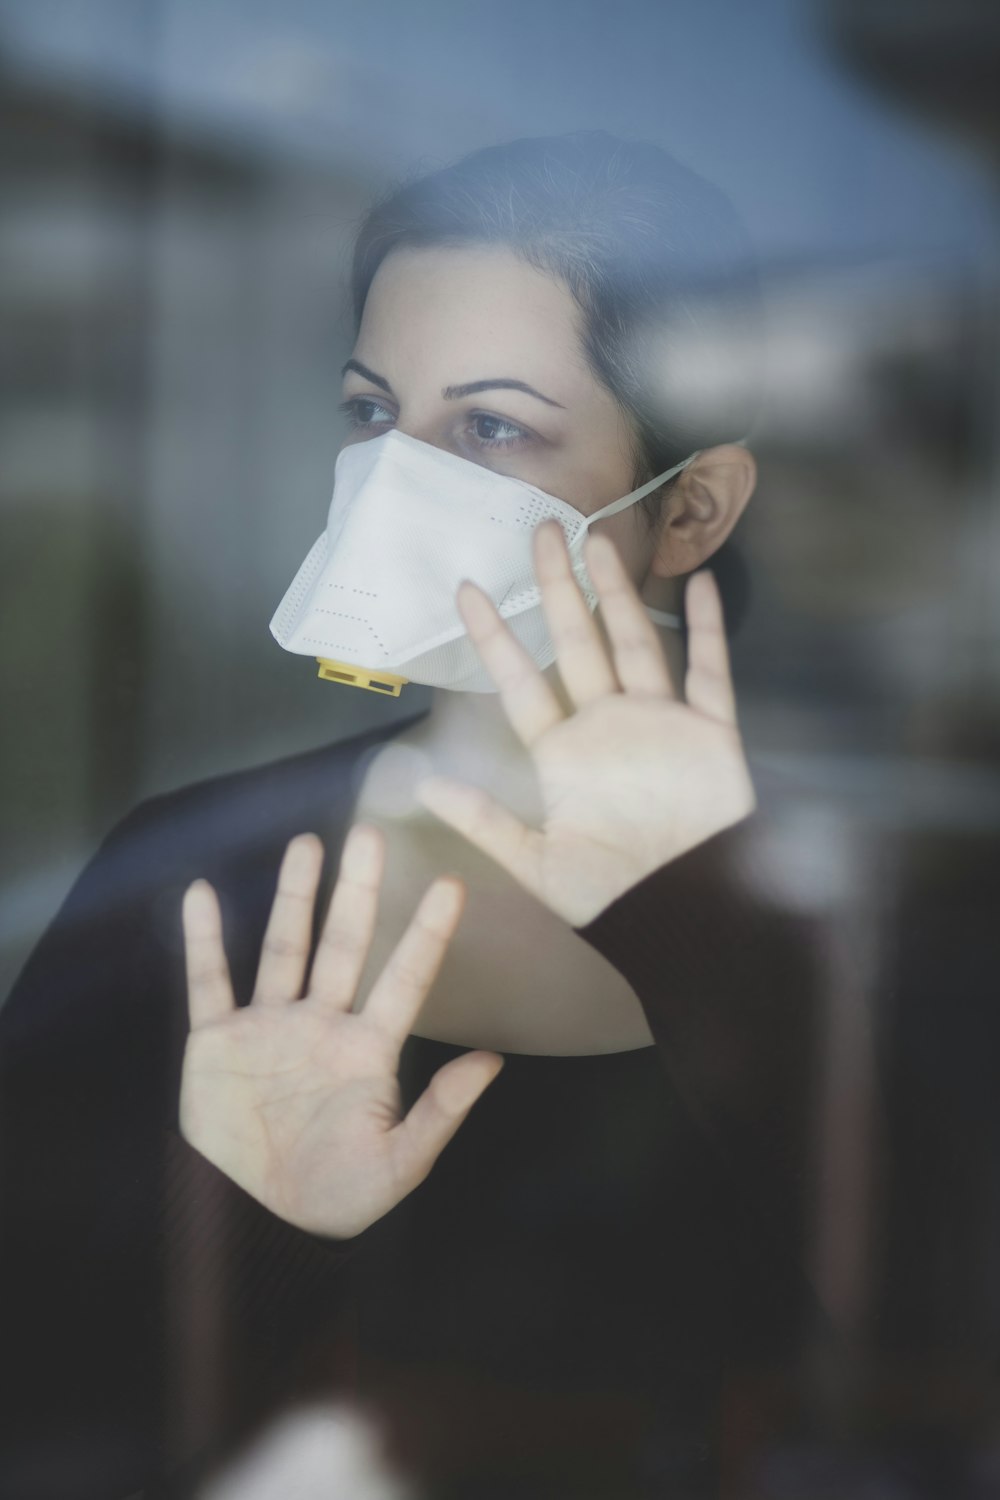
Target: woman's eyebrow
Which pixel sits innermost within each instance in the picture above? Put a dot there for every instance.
(453, 392)
(366, 374)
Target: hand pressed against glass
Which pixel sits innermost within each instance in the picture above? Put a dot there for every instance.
(295, 1096)
(631, 777)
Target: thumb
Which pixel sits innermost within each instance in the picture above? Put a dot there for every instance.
(419, 1139)
(489, 826)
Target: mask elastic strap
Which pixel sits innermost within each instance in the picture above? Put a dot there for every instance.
(651, 485)
(642, 491)
(658, 616)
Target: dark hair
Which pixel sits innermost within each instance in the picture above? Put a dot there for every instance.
(654, 255)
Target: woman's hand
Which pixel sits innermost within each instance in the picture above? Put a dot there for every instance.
(632, 776)
(295, 1099)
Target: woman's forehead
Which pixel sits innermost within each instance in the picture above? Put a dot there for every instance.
(452, 311)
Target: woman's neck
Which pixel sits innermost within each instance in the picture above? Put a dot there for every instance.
(468, 736)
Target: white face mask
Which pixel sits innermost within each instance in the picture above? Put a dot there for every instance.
(374, 600)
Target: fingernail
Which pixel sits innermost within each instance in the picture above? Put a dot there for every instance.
(305, 847)
(442, 899)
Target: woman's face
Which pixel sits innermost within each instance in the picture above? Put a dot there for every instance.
(475, 351)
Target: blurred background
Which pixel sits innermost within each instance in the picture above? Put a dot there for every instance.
(181, 180)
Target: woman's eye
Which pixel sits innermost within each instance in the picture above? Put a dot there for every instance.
(495, 432)
(484, 430)
(365, 411)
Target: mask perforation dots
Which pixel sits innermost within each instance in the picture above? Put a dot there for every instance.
(338, 614)
(345, 589)
(519, 600)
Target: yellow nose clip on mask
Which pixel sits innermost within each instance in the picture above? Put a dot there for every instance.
(375, 682)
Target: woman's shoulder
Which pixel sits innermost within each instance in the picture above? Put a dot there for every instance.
(222, 818)
(124, 908)
(219, 822)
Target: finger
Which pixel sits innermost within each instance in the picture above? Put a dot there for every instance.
(638, 656)
(419, 1138)
(402, 987)
(528, 700)
(288, 937)
(210, 990)
(488, 825)
(583, 661)
(708, 685)
(350, 922)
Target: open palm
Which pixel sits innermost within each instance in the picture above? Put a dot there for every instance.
(632, 776)
(297, 1099)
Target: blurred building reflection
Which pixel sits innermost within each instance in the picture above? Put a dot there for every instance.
(171, 307)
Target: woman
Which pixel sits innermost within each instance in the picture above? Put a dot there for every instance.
(208, 1228)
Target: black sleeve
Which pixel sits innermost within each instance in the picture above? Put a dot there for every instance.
(135, 1278)
(730, 983)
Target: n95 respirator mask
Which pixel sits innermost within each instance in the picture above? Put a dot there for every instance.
(374, 599)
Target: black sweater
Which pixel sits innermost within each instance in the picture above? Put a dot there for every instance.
(560, 1309)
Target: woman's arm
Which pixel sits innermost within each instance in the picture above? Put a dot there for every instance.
(729, 981)
(647, 849)
(151, 1303)
(110, 1223)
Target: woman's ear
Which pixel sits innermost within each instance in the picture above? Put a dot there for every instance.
(702, 509)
